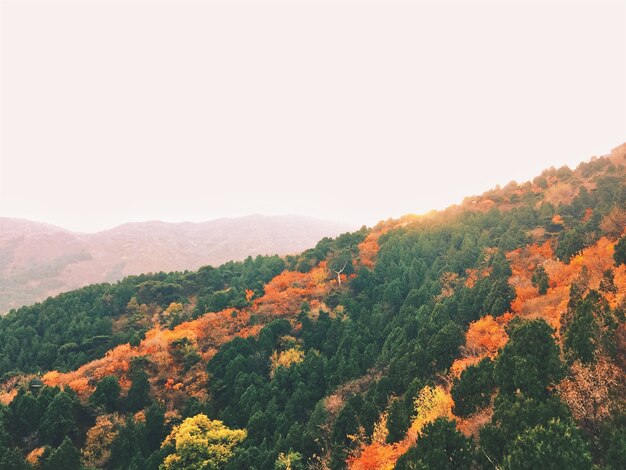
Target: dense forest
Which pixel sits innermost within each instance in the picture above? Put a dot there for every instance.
(489, 335)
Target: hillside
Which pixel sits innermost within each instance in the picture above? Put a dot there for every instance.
(40, 260)
(488, 335)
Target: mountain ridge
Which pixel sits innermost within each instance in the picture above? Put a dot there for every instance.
(40, 259)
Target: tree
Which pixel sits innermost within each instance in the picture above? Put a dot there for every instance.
(619, 255)
(155, 425)
(97, 447)
(530, 361)
(59, 420)
(66, 456)
(440, 446)
(201, 444)
(615, 455)
(540, 280)
(581, 333)
(556, 446)
(341, 263)
(571, 242)
(4, 435)
(607, 284)
(289, 461)
(443, 345)
(11, 459)
(139, 393)
(346, 424)
(499, 298)
(25, 413)
(129, 441)
(138, 462)
(473, 389)
(514, 414)
(398, 421)
(107, 393)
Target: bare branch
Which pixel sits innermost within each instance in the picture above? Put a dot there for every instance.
(339, 273)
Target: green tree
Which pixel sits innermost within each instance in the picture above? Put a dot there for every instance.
(619, 255)
(555, 446)
(155, 425)
(11, 459)
(398, 421)
(581, 333)
(615, 454)
(607, 284)
(4, 435)
(473, 389)
(289, 461)
(347, 423)
(439, 447)
(540, 280)
(25, 413)
(571, 242)
(139, 393)
(129, 441)
(107, 394)
(66, 456)
(514, 414)
(59, 420)
(201, 444)
(138, 462)
(529, 362)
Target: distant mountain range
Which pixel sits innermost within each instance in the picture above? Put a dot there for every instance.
(38, 260)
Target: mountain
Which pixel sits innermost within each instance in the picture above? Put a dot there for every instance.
(39, 260)
(488, 335)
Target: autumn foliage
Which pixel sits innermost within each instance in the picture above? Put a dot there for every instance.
(430, 404)
(283, 296)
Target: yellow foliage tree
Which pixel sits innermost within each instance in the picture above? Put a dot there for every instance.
(380, 430)
(430, 404)
(201, 444)
(286, 358)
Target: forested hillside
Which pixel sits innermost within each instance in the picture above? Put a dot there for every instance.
(489, 335)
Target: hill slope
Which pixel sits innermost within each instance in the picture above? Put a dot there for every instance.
(492, 334)
(39, 260)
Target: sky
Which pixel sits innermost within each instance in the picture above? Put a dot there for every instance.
(113, 111)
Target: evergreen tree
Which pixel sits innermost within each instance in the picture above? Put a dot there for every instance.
(398, 421)
(607, 284)
(155, 426)
(540, 280)
(129, 441)
(619, 254)
(11, 459)
(66, 456)
(25, 414)
(473, 389)
(581, 333)
(107, 394)
(555, 446)
(139, 393)
(530, 361)
(59, 420)
(439, 447)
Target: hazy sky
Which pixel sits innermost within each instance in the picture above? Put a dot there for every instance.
(122, 111)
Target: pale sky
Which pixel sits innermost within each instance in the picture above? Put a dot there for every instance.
(124, 111)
